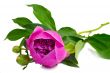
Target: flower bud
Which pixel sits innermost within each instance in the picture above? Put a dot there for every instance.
(16, 49)
(23, 60)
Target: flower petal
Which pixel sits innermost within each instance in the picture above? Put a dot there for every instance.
(43, 35)
(55, 35)
(50, 60)
(61, 53)
(36, 57)
(30, 43)
(38, 30)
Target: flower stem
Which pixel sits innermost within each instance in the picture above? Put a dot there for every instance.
(90, 31)
(21, 44)
(25, 66)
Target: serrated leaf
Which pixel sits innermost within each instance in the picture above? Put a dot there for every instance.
(24, 22)
(43, 15)
(101, 43)
(67, 31)
(78, 47)
(71, 61)
(17, 34)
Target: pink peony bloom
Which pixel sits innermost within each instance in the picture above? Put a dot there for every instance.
(46, 47)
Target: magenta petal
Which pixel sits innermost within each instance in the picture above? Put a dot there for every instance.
(38, 30)
(50, 60)
(36, 57)
(55, 35)
(44, 35)
(30, 43)
(61, 53)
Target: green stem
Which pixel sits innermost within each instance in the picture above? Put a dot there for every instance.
(25, 66)
(90, 31)
(21, 44)
(26, 50)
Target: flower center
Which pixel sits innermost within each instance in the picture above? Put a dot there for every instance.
(43, 46)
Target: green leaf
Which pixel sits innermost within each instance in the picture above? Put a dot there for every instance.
(43, 26)
(67, 31)
(43, 15)
(70, 43)
(17, 34)
(101, 42)
(70, 48)
(78, 47)
(70, 38)
(24, 22)
(71, 61)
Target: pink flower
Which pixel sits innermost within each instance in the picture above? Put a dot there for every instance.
(46, 47)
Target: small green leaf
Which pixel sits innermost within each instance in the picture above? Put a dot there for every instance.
(78, 47)
(24, 22)
(101, 42)
(43, 15)
(69, 39)
(70, 43)
(71, 61)
(70, 47)
(17, 34)
(67, 31)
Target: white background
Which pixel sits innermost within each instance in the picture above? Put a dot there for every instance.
(79, 14)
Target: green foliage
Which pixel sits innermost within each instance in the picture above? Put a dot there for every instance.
(24, 22)
(67, 31)
(101, 43)
(71, 61)
(78, 47)
(43, 15)
(17, 34)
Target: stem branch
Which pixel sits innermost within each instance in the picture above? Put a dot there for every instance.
(90, 31)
